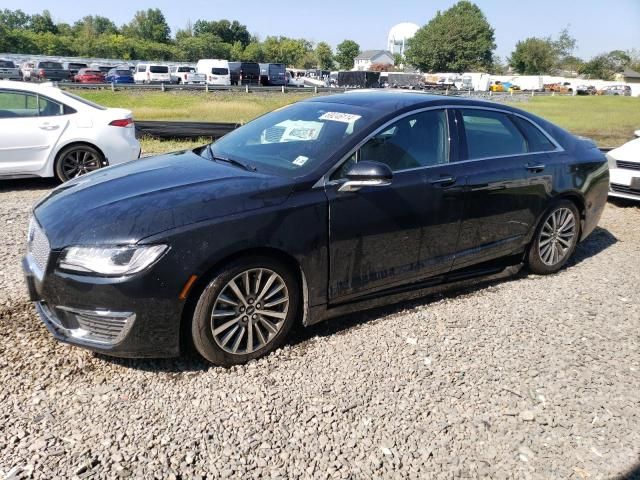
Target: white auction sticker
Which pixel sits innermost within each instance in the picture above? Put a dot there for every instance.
(301, 160)
(340, 117)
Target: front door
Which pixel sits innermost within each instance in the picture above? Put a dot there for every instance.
(382, 237)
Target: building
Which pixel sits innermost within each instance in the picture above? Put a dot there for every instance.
(369, 57)
(628, 76)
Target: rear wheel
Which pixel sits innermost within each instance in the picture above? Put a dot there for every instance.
(77, 160)
(246, 311)
(555, 239)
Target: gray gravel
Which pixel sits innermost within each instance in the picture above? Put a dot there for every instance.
(529, 377)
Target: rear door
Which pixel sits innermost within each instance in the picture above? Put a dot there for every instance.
(387, 236)
(30, 126)
(508, 180)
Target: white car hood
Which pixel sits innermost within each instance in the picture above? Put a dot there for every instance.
(629, 152)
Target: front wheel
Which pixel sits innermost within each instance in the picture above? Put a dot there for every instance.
(246, 311)
(77, 160)
(555, 239)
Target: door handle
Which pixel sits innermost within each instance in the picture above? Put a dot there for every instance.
(442, 181)
(47, 126)
(538, 167)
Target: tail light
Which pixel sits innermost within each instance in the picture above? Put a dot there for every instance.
(123, 122)
(185, 76)
(42, 73)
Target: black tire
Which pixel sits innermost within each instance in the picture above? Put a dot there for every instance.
(90, 159)
(535, 259)
(203, 322)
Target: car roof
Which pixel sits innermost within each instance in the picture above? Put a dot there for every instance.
(390, 101)
(28, 86)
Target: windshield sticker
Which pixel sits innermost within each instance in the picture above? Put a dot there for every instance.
(340, 117)
(301, 160)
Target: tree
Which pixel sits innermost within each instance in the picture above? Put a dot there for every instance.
(606, 65)
(533, 56)
(290, 51)
(346, 52)
(93, 25)
(228, 32)
(14, 19)
(457, 40)
(149, 25)
(565, 44)
(42, 23)
(253, 53)
(324, 56)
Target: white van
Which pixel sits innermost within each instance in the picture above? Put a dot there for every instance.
(151, 73)
(216, 71)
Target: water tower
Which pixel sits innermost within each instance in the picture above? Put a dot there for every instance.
(398, 36)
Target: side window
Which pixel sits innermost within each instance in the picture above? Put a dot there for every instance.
(420, 140)
(18, 104)
(491, 134)
(536, 140)
(49, 108)
(141, 68)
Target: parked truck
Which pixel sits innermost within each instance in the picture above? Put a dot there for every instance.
(9, 71)
(359, 79)
(48, 70)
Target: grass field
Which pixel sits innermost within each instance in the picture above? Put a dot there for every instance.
(610, 121)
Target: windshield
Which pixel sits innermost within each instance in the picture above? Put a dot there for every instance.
(293, 140)
(6, 64)
(83, 100)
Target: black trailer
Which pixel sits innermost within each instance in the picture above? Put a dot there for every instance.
(244, 73)
(359, 79)
(273, 74)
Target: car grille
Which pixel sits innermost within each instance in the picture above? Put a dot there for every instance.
(616, 187)
(38, 245)
(629, 165)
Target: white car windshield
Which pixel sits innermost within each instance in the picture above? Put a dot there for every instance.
(295, 139)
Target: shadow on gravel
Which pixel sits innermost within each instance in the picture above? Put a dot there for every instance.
(23, 184)
(599, 240)
(633, 474)
(623, 202)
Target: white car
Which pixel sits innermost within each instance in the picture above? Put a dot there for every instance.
(46, 132)
(152, 73)
(624, 170)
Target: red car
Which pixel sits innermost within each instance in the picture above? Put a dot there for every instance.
(88, 75)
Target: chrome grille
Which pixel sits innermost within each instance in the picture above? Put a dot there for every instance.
(616, 187)
(38, 245)
(628, 165)
(95, 326)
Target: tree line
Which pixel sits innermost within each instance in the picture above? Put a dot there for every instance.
(456, 40)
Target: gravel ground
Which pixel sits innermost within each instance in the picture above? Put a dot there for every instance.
(528, 377)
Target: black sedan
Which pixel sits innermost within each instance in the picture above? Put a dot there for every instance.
(321, 208)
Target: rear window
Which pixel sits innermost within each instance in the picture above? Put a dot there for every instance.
(491, 134)
(83, 100)
(159, 69)
(220, 71)
(6, 64)
(52, 65)
(91, 72)
(536, 140)
(123, 72)
(187, 69)
(78, 65)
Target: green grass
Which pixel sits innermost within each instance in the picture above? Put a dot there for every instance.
(610, 121)
(194, 106)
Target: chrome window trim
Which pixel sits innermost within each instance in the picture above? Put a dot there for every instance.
(325, 179)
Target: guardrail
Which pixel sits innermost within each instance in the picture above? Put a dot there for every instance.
(164, 87)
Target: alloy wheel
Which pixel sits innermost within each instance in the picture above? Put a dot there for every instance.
(249, 311)
(78, 162)
(557, 236)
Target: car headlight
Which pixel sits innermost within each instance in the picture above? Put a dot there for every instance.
(111, 261)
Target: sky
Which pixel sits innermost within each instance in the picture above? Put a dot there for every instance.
(597, 26)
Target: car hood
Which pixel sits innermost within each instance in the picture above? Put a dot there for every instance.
(629, 152)
(128, 202)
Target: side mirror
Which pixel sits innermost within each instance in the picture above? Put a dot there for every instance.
(367, 174)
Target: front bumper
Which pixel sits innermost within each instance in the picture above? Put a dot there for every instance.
(624, 183)
(111, 316)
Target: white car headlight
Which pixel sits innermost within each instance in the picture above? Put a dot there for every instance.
(111, 261)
